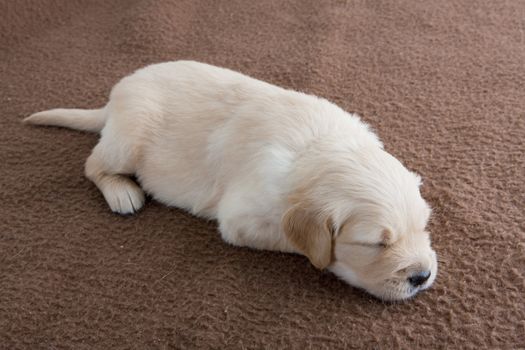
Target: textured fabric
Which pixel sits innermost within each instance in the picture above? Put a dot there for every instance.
(442, 83)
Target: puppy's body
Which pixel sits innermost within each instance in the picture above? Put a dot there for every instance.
(278, 169)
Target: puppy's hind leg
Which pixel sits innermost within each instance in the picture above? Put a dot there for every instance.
(107, 167)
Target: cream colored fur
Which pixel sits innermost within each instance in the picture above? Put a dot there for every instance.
(278, 169)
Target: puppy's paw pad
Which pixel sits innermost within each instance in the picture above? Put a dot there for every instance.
(124, 196)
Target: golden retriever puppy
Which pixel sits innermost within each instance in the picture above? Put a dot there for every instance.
(278, 170)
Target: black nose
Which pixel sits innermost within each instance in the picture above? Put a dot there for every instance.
(419, 278)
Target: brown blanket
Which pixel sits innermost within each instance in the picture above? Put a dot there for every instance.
(442, 83)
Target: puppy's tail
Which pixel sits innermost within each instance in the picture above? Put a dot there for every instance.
(79, 119)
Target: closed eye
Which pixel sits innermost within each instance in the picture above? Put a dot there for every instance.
(381, 245)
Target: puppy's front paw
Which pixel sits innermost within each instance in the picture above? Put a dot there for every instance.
(123, 195)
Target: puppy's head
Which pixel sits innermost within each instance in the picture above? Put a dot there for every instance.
(360, 214)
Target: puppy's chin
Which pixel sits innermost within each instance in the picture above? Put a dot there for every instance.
(390, 289)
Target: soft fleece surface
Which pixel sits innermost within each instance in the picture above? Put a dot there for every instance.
(443, 84)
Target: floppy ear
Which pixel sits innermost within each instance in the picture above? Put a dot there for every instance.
(311, 235)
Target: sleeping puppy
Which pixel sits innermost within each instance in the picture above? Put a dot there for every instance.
(278, 170)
